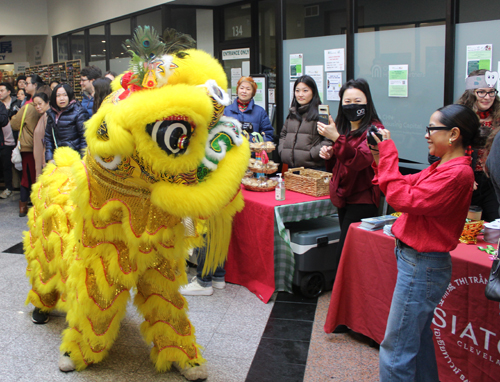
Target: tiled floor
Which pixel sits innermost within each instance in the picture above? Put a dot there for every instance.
(244, 339)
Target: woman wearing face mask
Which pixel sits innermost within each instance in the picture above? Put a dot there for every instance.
(65, 122)
(253, 117)
(41, 101)
(349, 158)
(484, 101)
(300, 142)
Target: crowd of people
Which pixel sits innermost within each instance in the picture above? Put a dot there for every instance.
(42, 116)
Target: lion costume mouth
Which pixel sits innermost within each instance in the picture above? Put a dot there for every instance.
(172, 134)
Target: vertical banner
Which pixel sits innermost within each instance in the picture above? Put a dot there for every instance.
(398, 80)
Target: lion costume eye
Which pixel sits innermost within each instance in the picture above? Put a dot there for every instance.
(171, 135)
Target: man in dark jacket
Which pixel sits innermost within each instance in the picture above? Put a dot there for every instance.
(4, 121)
(87, 77)
(10, 106)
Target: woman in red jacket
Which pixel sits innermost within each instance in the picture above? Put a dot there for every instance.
(434, 204)
(350, 159)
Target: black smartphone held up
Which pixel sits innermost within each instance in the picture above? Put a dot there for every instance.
(324, 113)
(369, 138)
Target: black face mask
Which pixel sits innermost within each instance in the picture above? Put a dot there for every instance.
(354, 111)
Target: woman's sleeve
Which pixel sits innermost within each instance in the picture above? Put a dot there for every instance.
(265, 126)
(355, 157)
(283, 137)
(49, 140)
(82, 117)
(15, 122)
(317, 147)
(419, 194)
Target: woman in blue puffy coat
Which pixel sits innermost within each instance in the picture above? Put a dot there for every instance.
(65, 122)
(253, 117)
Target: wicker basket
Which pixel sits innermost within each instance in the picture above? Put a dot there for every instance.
(309, 182)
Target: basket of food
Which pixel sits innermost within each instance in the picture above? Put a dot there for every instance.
(471, 230)
(259, 185)
(258, 143)
(260, 167)
(307, 181)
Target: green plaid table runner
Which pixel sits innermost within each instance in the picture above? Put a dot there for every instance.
(284, 260)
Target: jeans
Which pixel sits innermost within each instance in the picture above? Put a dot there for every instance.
(206, 281)
(407, 351)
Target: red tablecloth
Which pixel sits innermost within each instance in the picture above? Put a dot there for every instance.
(466, 324)
(250, 259)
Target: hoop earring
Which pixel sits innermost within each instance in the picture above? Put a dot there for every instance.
(449, 142)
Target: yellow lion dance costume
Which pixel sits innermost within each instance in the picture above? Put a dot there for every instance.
(162, 164)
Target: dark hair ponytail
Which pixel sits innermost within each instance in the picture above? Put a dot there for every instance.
(466, 120)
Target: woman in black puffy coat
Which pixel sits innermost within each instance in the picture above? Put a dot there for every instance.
(65, 122)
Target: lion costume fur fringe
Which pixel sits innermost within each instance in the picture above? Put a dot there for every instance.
(125, 216)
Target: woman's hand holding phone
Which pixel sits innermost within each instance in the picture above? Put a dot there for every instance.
(328, 131)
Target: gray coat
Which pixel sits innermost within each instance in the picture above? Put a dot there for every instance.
(300, 142)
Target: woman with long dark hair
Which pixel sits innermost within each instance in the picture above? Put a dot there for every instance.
(65, 122)
(349, 158)
(41, 101)
(300, 142)
(102, 88)
(434, 203)
(484, 101)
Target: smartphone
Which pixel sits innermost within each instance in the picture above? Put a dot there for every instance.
(324, 113)
(369, 137)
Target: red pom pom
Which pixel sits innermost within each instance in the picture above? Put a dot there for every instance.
(125, 81)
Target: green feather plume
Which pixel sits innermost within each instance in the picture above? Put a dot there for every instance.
(146, 43)
(176, 41)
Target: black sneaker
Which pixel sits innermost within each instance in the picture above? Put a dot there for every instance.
(39, 317)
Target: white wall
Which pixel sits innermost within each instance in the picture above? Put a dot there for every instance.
(67, 15)
(24, 17)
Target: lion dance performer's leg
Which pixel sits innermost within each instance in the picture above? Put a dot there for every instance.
(47, 242)
(100, 276)
(96, 309)
(166, 323)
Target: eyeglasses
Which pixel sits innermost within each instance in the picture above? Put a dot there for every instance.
(483, 93)
(83, 79)
(428, 129)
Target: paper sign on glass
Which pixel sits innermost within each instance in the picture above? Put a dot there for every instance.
(296, 65)
(478, 57)
(333, 85)
(398, 80)
(316, 72)
(334, 60)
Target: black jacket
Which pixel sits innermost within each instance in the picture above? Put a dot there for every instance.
(4, 120)
(68, 131)
(15, 105)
